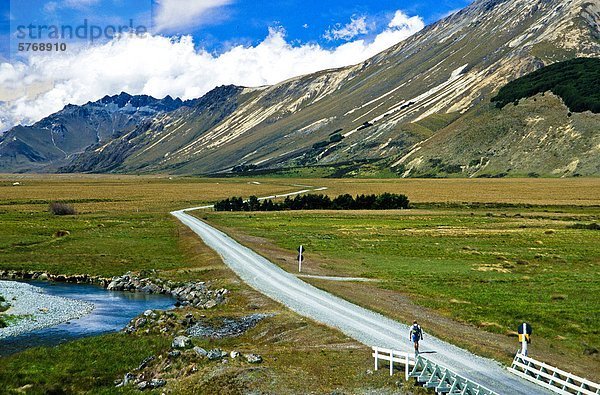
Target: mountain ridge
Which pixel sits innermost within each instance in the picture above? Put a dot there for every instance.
(374, 108)
(71, 130)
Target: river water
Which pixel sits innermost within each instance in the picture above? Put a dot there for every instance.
(112, 312)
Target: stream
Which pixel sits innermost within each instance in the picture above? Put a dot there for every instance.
(112, 312)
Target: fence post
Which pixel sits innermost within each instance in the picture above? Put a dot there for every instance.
(391, 362)
(406, 368)
(376, 358)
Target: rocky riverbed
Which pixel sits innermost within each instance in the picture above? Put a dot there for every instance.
(32, 309)
(195, 294)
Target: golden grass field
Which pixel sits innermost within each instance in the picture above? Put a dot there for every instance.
(155, 193)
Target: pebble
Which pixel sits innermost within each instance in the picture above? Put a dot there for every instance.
(253, 358)
(181, 342)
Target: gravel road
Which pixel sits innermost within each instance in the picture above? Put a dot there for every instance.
(37, 310)
(368, 327)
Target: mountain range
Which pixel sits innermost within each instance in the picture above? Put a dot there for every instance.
(419, 109)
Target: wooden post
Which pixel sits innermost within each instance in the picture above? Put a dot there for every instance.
(376, 358)
(406, 368)
(391, 362)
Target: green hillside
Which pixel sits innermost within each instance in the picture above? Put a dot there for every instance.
(575, 81)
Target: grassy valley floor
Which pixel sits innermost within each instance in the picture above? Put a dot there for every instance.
(470, 272)
(123, 224)
(473, 259)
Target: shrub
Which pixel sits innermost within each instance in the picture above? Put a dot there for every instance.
(320, 144)
(58, 208)
(3, 305)
(336, 138)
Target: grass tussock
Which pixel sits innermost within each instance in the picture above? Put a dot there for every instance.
(58, 208)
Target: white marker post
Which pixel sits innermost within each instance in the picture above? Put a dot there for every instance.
(524, 336)
(300, 258)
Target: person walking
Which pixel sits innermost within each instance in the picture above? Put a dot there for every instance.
(416, 334)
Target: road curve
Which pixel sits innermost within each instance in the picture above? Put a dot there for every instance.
(366, 326)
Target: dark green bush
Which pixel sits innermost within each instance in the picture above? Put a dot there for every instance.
(320, 144)
(336, 138)
(575, 81)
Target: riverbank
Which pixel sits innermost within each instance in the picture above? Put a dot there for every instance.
(32, 309)
(196, 294)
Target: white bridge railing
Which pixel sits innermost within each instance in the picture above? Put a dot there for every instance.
(552, 378)
(385, 354)
(429, 374)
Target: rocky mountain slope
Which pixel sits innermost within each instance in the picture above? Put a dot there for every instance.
(378, 111)
(61, 136)
(545, 123)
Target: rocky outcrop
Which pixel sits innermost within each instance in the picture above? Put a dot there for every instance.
(170, 323)
(199, 295)
(196, 294)
(131, 283)
(216, 354)
(155, 371)
(161, 322)
(253, 358)
(229, 327)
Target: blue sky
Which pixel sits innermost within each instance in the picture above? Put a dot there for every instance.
(234, 22)
(308, 20)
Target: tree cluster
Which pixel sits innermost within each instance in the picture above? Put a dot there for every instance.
(576, 81)
(385, 201)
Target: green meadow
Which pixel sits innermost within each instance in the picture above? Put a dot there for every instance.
(491, 268)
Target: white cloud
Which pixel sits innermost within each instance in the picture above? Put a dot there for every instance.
(160, 66)
(175, 16)
(404, 22)
(356, 27)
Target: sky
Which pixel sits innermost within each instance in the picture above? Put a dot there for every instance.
(184, 48)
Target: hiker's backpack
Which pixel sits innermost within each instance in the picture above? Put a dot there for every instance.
(416, 330)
